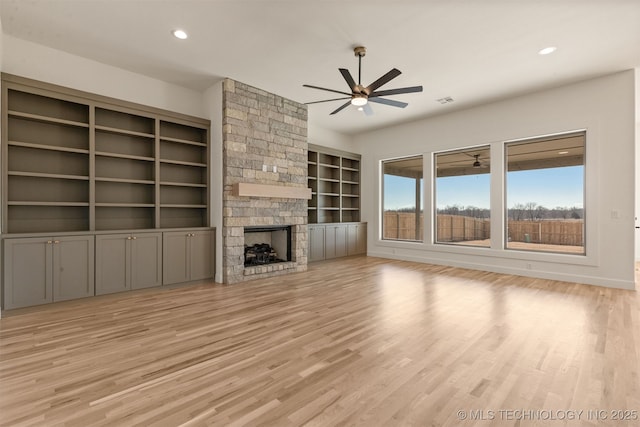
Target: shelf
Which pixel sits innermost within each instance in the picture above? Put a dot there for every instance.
(182, 184)
(48, 147)
(329, 194)
(124, 156)
(125, 205)
(181, 163)
(31, 203)
(183, 206)
(329, 166)
(312, 177)
(124, 131)
(353, 182)
(277, 191)
(350, 169)
(125, 181)
(311, 163)
(48, 175)
(182, 141)
(329, 180)
(350, 195)
(45, 119)
(325, 208)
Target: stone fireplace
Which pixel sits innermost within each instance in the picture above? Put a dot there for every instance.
(265, 177)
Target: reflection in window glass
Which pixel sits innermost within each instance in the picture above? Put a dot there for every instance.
(463, 194)
(402, 217)
(545, 194)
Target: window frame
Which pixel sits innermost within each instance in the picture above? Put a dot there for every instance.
(434, 177)
(505, 153)
(419, 212)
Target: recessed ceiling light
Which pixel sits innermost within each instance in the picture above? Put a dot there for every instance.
(547, 50)
(179, 34)
(563, 152)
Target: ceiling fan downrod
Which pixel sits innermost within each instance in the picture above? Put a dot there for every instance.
(360, 51)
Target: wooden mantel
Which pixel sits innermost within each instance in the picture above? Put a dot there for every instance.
(272, 191)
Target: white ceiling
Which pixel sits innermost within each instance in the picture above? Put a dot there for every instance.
(474, 51)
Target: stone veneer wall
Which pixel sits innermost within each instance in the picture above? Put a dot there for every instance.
(260, 128)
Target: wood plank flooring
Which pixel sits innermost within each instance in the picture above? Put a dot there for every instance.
(356, 341)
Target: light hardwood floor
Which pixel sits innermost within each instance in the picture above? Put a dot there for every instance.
(357, 341)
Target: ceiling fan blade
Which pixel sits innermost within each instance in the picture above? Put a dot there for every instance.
(397, 91)
(328, 90)
(382, 80)
(368, 111)
(327, 100)
(390, 102)
(340, 108)
(347, 76)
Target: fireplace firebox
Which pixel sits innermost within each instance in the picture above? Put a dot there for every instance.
(266, 245)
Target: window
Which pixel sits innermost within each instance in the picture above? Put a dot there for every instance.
(545, 194)
(402, 199)
(462, 197)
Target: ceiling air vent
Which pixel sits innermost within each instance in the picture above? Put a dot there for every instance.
(445, 100)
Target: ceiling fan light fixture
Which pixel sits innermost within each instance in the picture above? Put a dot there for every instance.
(179, 34)
(477, 164)
(359, 100)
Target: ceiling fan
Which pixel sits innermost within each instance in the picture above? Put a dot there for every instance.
(477, 163)
(360, 96)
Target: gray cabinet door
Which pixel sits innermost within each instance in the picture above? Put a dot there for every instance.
(341, 240)
(146, 260)
(112, 263)
(201, 255)
(316, 242)
(329, 242)
(73, 263)
(175, 257)
(335, 241)
(28, 278)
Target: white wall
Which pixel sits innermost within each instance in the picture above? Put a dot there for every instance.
(605, 107)
(213, 107)
(328, 138)
(637, 222)
(38, 62)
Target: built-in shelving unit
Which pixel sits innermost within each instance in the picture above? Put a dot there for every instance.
(183, 175)
(90, 181)
(334, 180)
(85, 163)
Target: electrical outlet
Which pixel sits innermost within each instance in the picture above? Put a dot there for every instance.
(275, 169)
(264, 168)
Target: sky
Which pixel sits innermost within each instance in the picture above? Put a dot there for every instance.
(551, 187)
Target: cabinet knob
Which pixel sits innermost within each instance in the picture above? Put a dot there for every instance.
(49, 242)
(129, 238)
(56, 241)
(134, 237)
